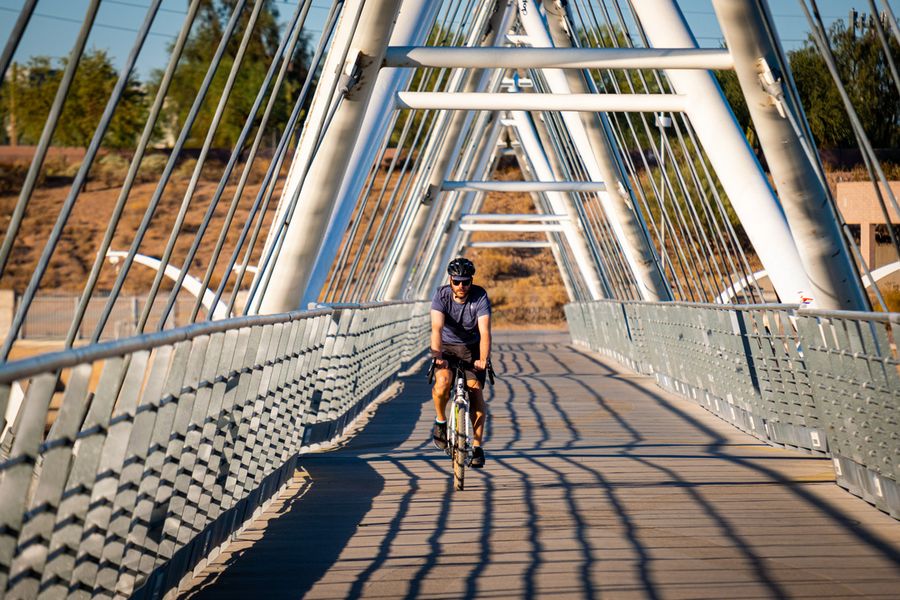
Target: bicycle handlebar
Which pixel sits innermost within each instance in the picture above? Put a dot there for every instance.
(456, 363)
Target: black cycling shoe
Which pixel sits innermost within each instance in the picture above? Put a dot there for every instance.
(439, 435)
(477, 458)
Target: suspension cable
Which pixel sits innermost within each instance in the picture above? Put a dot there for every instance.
(81, 176)
(131, 177)
(282, 55)
(167, 172)
(40, 152)
(15, 36)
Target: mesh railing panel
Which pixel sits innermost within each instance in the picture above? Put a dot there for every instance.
(822, 381)
(130, 461)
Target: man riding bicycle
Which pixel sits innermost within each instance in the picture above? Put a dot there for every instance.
(460, 329)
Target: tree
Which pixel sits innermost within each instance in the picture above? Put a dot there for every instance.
(28, 94)
(32, 85)
(864, 71)
(198, 53)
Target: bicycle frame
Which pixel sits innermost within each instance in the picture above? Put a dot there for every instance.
(460, 412)
(460, 442)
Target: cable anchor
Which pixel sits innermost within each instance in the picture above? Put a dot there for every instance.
(771, 82)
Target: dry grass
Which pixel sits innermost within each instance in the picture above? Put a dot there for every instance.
(891, 171)
(86, 226)
(524, 284)
(891, 297)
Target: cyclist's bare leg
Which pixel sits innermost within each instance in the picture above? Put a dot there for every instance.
(476, 398)
(440, 393)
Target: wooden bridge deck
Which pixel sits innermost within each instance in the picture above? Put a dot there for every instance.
(598, 484)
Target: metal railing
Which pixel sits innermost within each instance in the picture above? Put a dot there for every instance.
(50, 316)
(133, 460)
(823, 381)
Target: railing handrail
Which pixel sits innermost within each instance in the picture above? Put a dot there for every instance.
(219, 410)
(824, 381)
(52, 361)
(879, 317)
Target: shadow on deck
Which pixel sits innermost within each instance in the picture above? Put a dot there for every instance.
(598, 483)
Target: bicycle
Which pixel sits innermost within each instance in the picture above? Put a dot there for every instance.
(459, 421)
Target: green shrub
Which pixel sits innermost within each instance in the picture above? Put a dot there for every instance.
(61, 167)
(185, 169)
(152, 167)
(12, 176)
(110, 169)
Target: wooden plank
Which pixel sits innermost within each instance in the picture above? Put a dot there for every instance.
(597, 484)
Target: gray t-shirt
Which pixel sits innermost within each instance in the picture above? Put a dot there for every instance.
(461, 318)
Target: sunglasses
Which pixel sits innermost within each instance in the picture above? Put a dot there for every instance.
(461, 282)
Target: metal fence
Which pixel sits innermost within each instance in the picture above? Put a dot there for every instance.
(50, 317)
(132, 461)
(823, 381)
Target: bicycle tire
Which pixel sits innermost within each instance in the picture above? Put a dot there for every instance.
(458, 455)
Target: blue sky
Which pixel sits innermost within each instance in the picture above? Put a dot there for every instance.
(55, 24)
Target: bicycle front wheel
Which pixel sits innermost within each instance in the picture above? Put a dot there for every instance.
(458, 452)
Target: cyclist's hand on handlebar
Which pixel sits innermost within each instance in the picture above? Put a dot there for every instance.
(440, 363)
(480, 364)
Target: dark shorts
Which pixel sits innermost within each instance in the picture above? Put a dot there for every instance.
(468, 354)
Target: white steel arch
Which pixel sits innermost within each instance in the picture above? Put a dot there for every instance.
(298, 275)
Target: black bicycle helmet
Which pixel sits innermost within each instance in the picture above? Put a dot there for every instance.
(461, 268)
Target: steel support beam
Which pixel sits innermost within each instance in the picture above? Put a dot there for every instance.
(563, 204)
(513, 217)
(601, 161)
(525, 186)
(559, 58)
(507, 227)
(554, 242)
(447, 151)
(446, 243)
(511, 244)
(835, 281)
(730, 154)
(566, 102)
(306, 231)
(555, 239)
(413, 24)
(421, 191)
(315, 121)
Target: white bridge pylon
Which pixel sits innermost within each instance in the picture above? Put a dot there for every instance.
(571, 145)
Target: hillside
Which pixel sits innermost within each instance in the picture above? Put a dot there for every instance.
(524, 284)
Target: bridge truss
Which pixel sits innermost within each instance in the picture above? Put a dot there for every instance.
(645, 190)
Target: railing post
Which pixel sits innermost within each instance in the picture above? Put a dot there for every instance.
(187, 431)
(856, 390)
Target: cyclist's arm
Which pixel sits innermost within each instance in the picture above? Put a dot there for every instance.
(484, 346)
(437, 323)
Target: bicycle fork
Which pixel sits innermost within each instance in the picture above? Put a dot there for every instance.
(460, 411)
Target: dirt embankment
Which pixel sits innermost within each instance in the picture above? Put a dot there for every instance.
(524, 283)
(86, 227)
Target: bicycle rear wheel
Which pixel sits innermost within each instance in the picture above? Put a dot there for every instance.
(458, 453)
